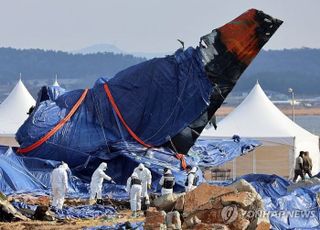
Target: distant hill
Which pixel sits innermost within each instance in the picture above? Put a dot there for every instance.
(105, 47)
(38, 67)
(276, 70)
(99, 48)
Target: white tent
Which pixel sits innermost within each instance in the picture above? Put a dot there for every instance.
(13, 112)
(258, 118)
(56, 83)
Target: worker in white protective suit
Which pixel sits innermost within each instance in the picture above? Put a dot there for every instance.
(134, 188)
(59, 185)
(96, 183)
(167, 182)
(192, 178)
(144, 175)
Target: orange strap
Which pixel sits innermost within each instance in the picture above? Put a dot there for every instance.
(182, 160)
(133, 135)
(116, 109)
(56, 128)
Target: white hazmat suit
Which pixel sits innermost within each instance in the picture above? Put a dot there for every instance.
(167, 182)
(191, 183)
(96, 181)
(59, 185)
(144, 175)
(134, 188)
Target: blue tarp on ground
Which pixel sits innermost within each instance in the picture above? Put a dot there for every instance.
(74, 212)
(294, 210)
(28, 174)
(289, 209)
(121, 226)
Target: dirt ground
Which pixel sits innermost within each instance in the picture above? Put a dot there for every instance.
(123, 216)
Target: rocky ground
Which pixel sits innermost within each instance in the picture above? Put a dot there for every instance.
(123, 216)
(206, 207)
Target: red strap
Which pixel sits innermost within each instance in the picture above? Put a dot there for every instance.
(116, 109)
(133, 135)
(182, 159)
(56, 128)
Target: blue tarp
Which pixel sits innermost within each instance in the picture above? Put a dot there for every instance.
(28, 174)
(121, 226)
(95, 134)
(157, 99)
(74, 212)
(295, 210)
(23, 175)
(215, 152)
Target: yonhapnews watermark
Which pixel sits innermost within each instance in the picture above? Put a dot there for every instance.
(230, 214)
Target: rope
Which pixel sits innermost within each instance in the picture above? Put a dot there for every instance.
(56, 128)
(179, 155)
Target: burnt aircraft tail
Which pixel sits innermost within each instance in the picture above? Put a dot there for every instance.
(226, 52)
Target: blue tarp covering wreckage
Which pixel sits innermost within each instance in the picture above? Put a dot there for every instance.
(164, 102)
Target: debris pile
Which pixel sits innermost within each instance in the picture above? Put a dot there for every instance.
(8, 212)
(210, 207)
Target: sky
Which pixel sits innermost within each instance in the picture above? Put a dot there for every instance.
(145, 25)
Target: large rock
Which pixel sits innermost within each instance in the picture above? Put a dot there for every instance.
(173, 220)
(9, 213)
(191, 222)
(166, 202)
(240, 224)
(155, 219)
(43, 213)
(226, 206)
(179, 205)
(202, 194)
(244, 199)
(244, 186)
(263, 225)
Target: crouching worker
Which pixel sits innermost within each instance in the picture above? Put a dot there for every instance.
(192, 178)
(134, 188)
(167, 182)
(59, 185)
(96, 183)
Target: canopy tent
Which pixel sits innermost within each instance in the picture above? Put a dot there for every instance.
(13, 112)
(56, 83)
(258, 118)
